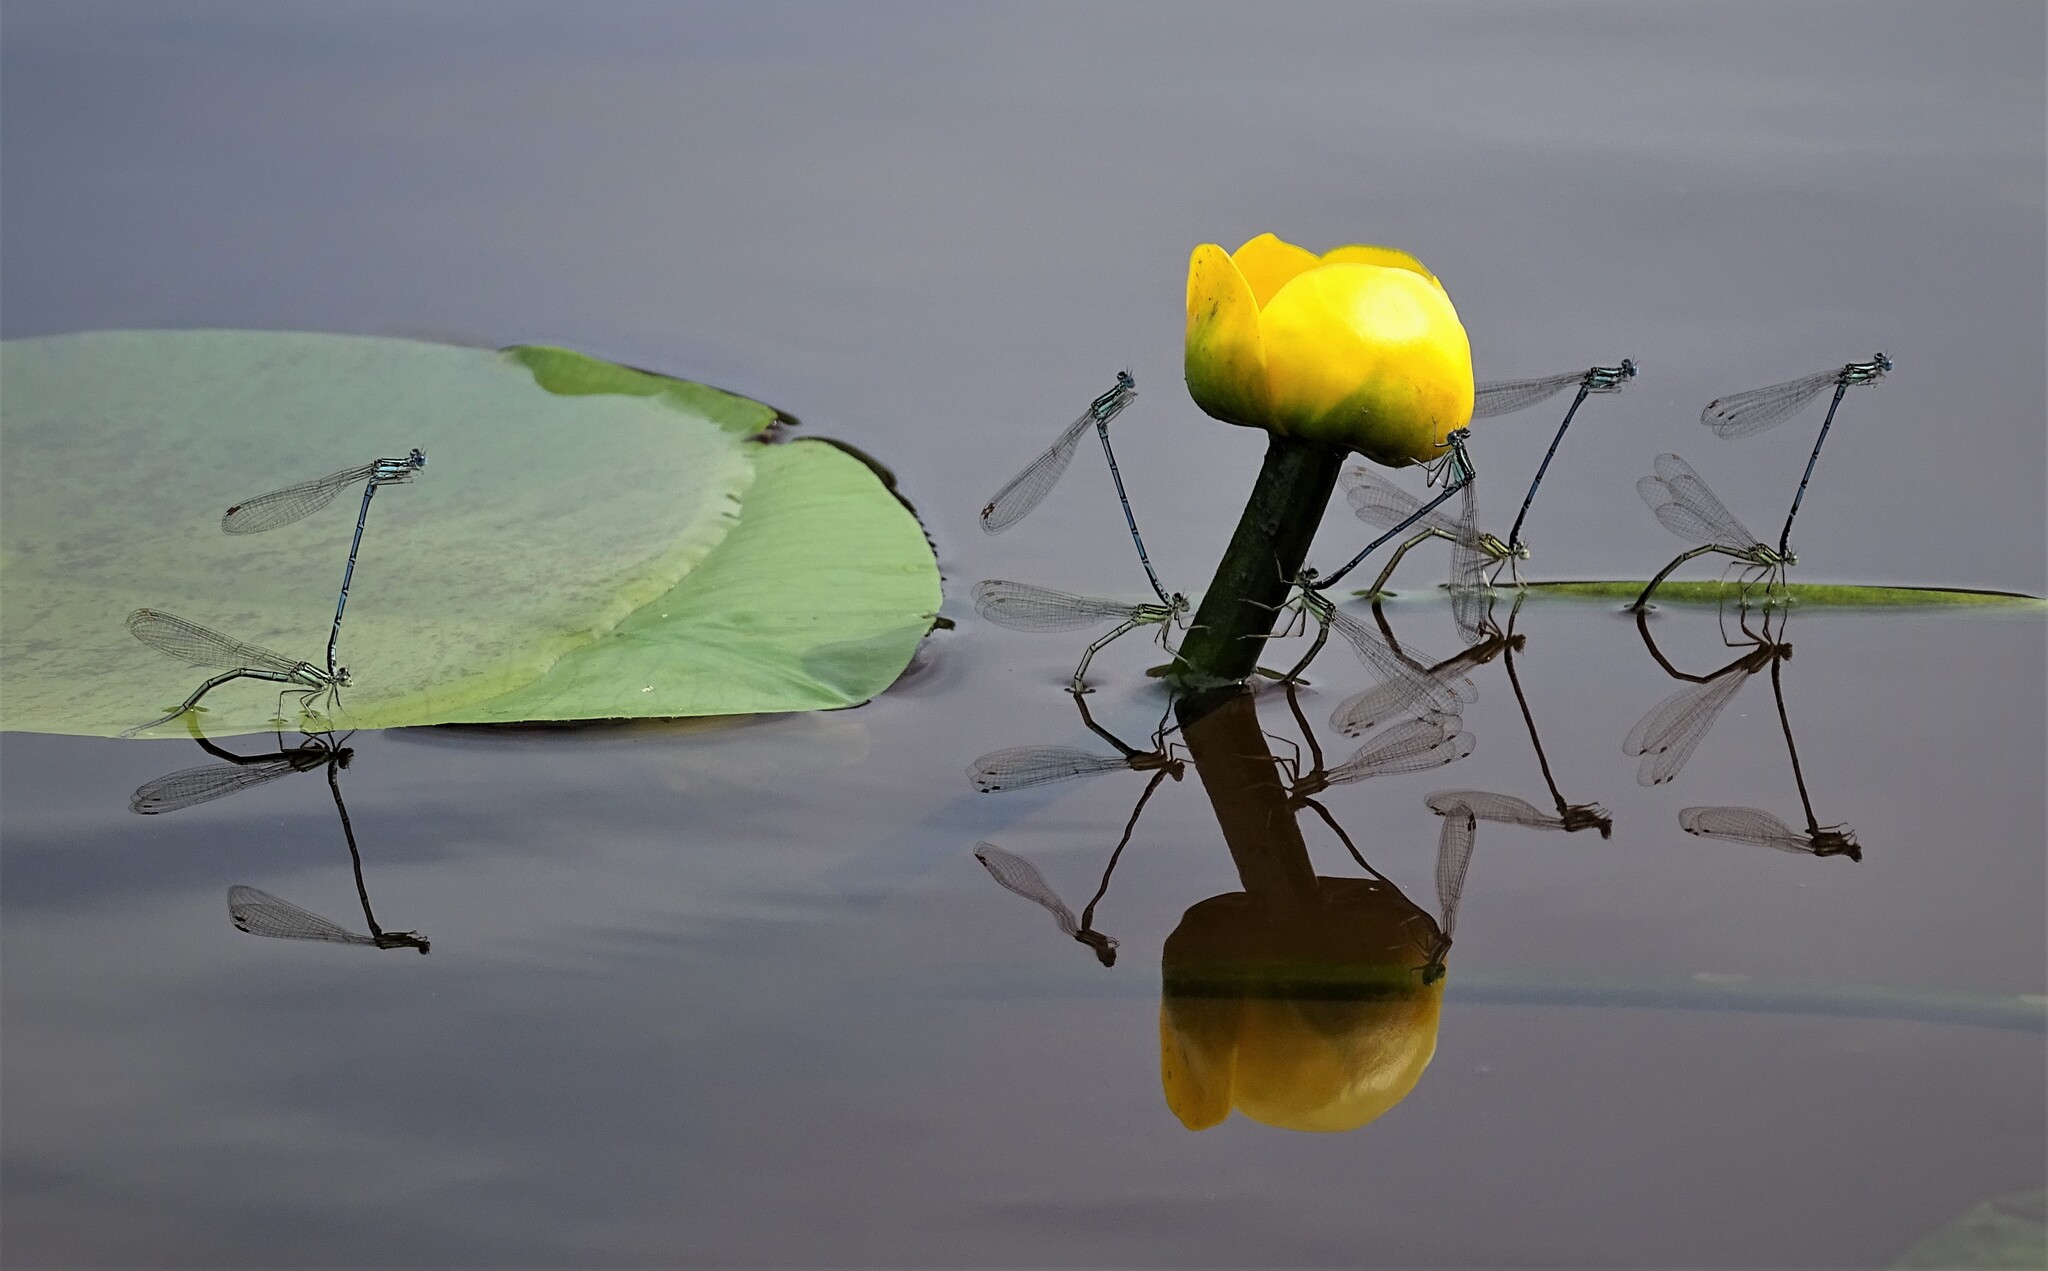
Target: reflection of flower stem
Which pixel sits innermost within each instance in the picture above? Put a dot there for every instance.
(1242, 777)
(1266, 553)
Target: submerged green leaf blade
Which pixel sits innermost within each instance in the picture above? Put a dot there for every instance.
(817, 600)
(541, 522)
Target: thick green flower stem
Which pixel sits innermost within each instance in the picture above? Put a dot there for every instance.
(1243, 601)
(1237, 768)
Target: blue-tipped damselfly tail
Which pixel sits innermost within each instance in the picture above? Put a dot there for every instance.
(190, 787)
(1595, 379)
(1454, 469)
(1686, 507)
(296, 502)
(1023, 607)
(1020, 877)
(1382, 504)
(203, 647)
(1747, 414)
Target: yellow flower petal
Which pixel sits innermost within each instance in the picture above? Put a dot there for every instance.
(1197, 1050)
(1225, 360)
(1369, 358)
(1372, 254)
(1269, 264)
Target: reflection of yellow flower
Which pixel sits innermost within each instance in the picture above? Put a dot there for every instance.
(1358, 348)
(1313, 1019)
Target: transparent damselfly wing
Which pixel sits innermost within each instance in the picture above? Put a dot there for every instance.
(1021, 767)
(1028, 488)
(1505, 809)
(1682, 501)
(1415, 689)
(1453, 857)
(296, 502)
(201, 646)
(176, 791)
(1754, 825)
(1666, 737)
(1362, 712)
(1382, 504)
(1023, 607)
(1017, 875)
(1504, 397)
(1416, 746)
(1471, 602)
(1746, 414)
(261, 914)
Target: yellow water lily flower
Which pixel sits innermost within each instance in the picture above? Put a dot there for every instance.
(1359, 347)
(1316, 1019)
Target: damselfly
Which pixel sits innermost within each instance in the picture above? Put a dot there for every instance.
(1017, 875)
(1453, 860)
(1682, 501)
(1511, 395)
(1021, 767)
(1753, 825)
(1414, 746)
(1359, 713)
(296, 502)
(1454, 469)
(1747, 414)
(1023, 607)
(200, 646)
(1666, 737)
(190, 787)
(1571, 817)
(1028, 488)
(1381, 503)
(261, 914)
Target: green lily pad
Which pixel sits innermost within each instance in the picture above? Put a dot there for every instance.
(2005, 1231)
(544, 523)
(1811, 595)
(574, 374)
(816, 600)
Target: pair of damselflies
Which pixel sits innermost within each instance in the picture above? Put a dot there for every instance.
(1667, 736)
(204, 647)
(252, 909)
(1025, 607)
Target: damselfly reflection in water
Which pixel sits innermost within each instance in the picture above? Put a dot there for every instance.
(1686, 507)
(1021, 877)
(204, 647)
(1024, 607)
(294, 503)
(251, 910)
(1753, 825)
(1462, 811)
(1021, 767)
(1749, 413)
(1407, 684)
(1666, 737)
(235, 773)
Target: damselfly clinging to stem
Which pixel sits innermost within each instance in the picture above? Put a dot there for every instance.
(1454, 469)
(1023, 607)
(1028, 488)
(296, 502)
(1747, 414)
(203, 647)
(1689, 509)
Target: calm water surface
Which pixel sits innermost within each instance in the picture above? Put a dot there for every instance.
(739, 992)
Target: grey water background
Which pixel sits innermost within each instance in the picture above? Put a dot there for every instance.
(740, 993)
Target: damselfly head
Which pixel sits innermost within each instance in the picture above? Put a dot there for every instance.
(341, 677)
(1628, 368)
(418, 458)
(1125, 382)
(1837, 840)
(1884, 363)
